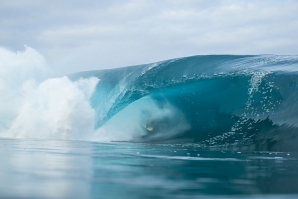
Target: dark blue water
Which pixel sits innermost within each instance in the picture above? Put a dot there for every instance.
(74, 169)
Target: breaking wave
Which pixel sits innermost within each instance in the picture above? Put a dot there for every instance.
(215, 100)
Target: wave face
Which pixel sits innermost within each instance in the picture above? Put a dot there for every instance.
(216, 100)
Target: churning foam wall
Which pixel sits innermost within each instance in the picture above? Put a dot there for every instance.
(32, 105)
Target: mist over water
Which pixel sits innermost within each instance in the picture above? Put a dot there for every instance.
(143, 118)
(35, 105)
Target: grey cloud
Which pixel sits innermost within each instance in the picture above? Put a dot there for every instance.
(82, 35)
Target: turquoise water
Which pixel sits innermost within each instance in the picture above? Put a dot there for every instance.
(77, 169)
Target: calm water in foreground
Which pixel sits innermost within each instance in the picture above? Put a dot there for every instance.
(73, 169)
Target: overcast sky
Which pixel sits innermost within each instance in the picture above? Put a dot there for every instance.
(76, 35)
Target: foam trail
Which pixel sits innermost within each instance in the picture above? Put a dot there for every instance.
(35, 106)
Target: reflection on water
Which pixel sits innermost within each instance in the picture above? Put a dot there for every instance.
(72, 169)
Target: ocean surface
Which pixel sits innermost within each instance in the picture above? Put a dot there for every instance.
(214, 126)
(78, 169)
